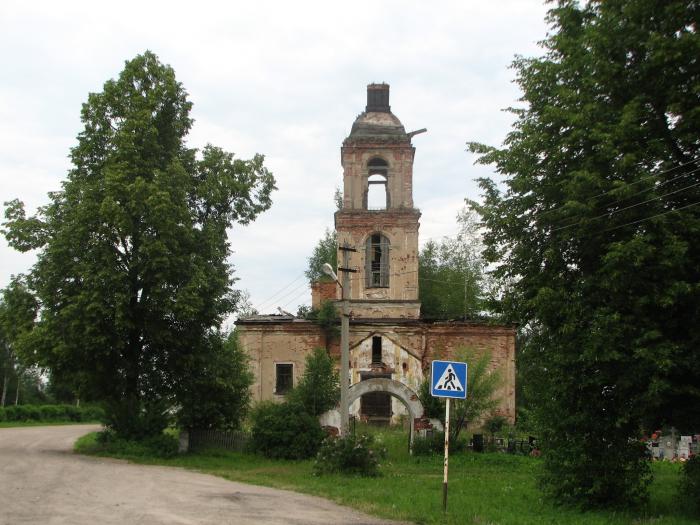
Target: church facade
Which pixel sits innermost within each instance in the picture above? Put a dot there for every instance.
(377, 231)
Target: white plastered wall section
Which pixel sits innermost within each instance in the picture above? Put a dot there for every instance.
(406, 369)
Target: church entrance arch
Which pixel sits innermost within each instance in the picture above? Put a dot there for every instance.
(394, 388)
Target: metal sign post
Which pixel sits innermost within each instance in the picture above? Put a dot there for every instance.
(447, 454)
(448, 380)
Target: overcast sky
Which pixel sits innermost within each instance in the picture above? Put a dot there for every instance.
(285, 79)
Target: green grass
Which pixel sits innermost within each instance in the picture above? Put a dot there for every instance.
(488, 488)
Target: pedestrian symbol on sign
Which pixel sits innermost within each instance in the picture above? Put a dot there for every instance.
(448, 381)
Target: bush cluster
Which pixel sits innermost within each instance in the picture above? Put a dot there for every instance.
(285, 430)
(160, 446)
(435, 444)
(349, 455)
(51, 413)
(690, 484)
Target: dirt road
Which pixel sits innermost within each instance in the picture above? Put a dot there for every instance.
(43, 482)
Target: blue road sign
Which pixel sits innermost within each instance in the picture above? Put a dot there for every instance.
(448, 379)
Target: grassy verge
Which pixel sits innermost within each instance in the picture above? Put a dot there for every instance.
(483, 489)
(11, 424)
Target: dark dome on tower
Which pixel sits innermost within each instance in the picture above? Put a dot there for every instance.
(377, 119)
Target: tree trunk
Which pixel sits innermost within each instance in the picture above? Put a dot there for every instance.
(4, 388)
(17, 389)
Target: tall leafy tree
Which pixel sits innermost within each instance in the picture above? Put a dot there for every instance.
(18, 311)
(596, 236)
(326, 251)
(132, 270)
(451, 272)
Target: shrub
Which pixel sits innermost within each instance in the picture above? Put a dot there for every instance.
(160, 446)
(92, 413)
(349, 455)
(149, 420)
(17, 413)
(216, 393)
(2, 414)
(72, 413)
(50, 412)
(284, 430)
(319, 388)
(690, 484)
(435, 444)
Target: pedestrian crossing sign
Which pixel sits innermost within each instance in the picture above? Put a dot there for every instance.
(448, 379)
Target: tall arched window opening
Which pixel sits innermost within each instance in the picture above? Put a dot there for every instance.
(376, 193)
(377, 188)
(377, 261)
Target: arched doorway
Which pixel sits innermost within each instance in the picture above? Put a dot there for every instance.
(398, 390)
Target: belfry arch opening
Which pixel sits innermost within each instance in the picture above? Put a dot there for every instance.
(377, 190)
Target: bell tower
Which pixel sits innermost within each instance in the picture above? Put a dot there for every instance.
(378, 219)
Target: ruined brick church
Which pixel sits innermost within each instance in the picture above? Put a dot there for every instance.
(388, 338)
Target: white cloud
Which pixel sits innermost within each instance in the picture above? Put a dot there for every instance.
(281, 78)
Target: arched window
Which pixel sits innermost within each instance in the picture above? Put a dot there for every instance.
(376, 193)
(377, 189)
(377, 261)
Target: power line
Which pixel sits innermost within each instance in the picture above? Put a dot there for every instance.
(281, 295)
(639, 180)
(609, 214)
(282, 289)
(652, 217)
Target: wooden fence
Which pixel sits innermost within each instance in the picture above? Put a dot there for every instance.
(200, 439)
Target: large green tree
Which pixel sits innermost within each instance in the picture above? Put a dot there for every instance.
(595, 234)
(132, 270)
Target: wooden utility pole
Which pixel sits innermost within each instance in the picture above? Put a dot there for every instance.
(345, 338)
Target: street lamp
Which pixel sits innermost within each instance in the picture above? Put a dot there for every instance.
(344, 347)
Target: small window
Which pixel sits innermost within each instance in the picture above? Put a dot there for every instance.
(377, 261)
(376, 350)
(283, 378)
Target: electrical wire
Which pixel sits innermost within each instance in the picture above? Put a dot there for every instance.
(609, 214)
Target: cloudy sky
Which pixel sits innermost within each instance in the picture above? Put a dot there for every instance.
(285, 79)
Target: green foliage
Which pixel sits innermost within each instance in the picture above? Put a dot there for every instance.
(18, 310)
(52, 413)
(435, 444)
(689, 486)
(326, 251)
(284, 430)
(327, 318)
(595, 238)
(132, 269)
(349, 455)
(452, 274)
(495, 424)
(161, 445)
(482, 384)
(433, 407)
(318, 389)
(216, 392)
